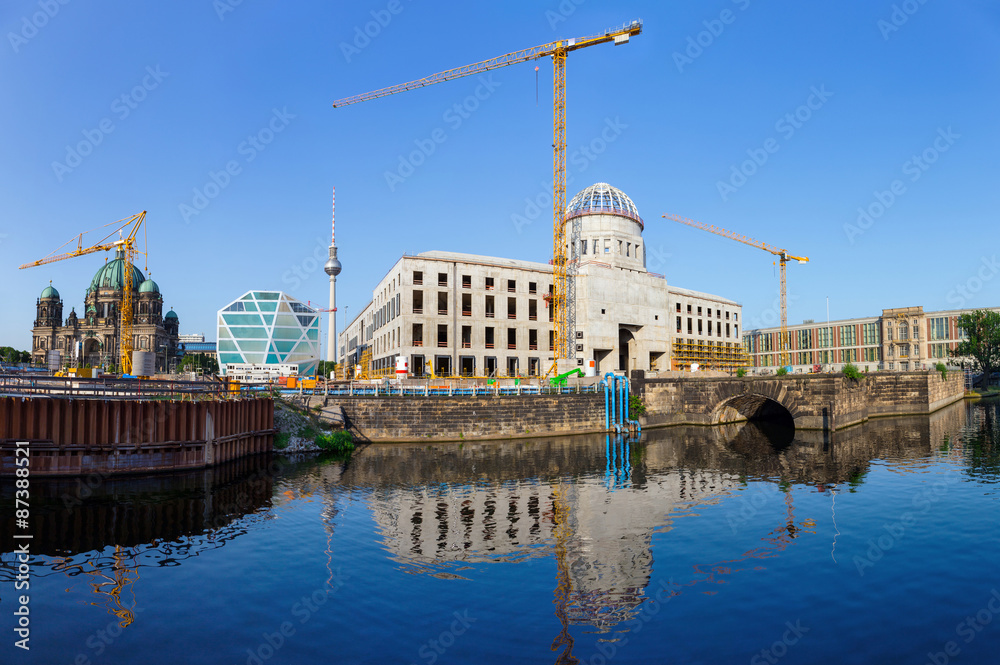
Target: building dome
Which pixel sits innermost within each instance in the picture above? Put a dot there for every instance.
(171, 315)
(49, 292)
(601, 198)
(149, 286)
(112, 276)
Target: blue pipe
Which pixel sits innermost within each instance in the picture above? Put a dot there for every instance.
(614, 412)
(607, 422)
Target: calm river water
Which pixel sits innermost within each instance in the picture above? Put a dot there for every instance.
(694, 545)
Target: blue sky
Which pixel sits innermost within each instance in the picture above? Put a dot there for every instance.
(888, 107)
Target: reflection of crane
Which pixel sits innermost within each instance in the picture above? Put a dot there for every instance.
(123, 576)
(783, 257)
(564, 585)
(564, 295)
(127, 247)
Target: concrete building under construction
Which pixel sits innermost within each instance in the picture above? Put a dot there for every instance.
(469, 315)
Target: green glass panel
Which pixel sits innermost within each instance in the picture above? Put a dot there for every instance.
(287, 333)
(250, 333)
(242, 319)
(248, 296)
(313, 334)
(230, 358)
(286, 320)
(255, 345)
(250, 307)
(224, 333)
(227, 345)
(272, 359)
(284, 346)
(267, 306)
(256, 358)
(262, 295)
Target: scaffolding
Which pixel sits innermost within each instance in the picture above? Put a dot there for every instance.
(726, 356)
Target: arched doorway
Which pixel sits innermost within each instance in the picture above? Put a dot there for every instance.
(91, 352)
(626, 349)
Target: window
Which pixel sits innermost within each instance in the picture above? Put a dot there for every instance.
(871, 354)
(490, 340)
(511, 308)
(939, 328)
(689, 309)
(489, 307)
(511, 286)
(689, 324)
(466, 337)
(805, 358)
(583, 246)
(699, 311)
(736, 316)
(727, 330)
(803, 339)
(442, 336)
(710, 326)
(619, 248)
(532, 287)
(825, 338)
(532, 340)
(678, 324)
(552, 340)
(727, 316)
(607, 245)
(595, 245)
(849, 355)
(418, 302)
(699, 327)
(678, 308)
(511, 338)
(442, 302)
(869, 333)
(532, 310)
(466, 281)
(628, 249)
(718, 314)
(848, 336)
(489, 283)
(466, 304)
(442, 279)
(904, 331)
(736, 331)
(418, 277)
(418, 334)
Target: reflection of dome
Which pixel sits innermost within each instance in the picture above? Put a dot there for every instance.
(149, 286)
(49, 292)
(171, 315)
(602, 198)
(112, 276)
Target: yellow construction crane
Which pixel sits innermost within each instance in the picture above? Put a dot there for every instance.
(127, 246)
(563, 295)
(783, 257)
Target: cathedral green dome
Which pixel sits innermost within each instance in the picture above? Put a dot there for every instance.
(112, 276)
(149, 286)
(171, 315)
(49, 292)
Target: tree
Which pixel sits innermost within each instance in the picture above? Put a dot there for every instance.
(203, 361)
(982, 343)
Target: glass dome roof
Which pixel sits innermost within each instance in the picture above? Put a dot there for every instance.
(602, 198)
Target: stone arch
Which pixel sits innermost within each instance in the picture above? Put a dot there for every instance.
(754, 401)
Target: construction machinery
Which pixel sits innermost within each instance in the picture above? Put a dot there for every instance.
(563, 299)
(128, 250)
(783, 258)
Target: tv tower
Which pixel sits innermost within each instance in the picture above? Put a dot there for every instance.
(332, 269)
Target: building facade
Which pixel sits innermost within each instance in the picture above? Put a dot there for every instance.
(901, 339)
(93, 338)
(456, 314)
(268, 328)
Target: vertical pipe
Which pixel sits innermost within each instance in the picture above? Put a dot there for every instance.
(613, 412)
(607, 424)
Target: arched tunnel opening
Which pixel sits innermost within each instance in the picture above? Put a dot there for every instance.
(769, 423)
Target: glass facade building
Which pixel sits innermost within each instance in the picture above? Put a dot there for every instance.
(268, 328)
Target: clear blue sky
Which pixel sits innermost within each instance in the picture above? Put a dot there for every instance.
(200, 78)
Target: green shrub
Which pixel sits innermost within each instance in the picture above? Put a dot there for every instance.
(281, 440)
(741, 372)
(340, 441)
(851, 371)
(941, 367)
(636, 407)
(782, 371)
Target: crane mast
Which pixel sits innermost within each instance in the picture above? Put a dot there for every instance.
(563, 299)
(783, 258)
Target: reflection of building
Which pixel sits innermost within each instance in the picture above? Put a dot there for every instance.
(464, 314)
(93, 338)
(904, 338)
(268, 328)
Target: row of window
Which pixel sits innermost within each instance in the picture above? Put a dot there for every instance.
(489, 283)
(491, 338)
(718, 312)
(489, 306)
(718, 328)
(603, 246)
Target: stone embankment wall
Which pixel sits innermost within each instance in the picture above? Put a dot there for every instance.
(818, 401)
(109, 437)
(416, 418)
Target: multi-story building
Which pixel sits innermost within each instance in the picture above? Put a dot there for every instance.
(93, 338)
(471, 315)
(901, 339)
(262, 329)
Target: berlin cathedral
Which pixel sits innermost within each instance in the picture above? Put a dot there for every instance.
(92, 339)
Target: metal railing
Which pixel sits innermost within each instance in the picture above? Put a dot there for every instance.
(116, 388)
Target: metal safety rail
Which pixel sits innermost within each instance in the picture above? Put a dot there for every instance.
(111, 388)
(428, 390)
(616, 411)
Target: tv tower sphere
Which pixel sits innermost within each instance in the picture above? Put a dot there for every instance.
(332, 266)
